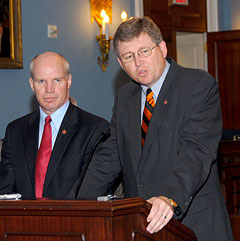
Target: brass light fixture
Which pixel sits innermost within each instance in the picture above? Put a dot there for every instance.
(101, 11)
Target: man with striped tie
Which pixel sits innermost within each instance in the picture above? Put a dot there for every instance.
(164, 135)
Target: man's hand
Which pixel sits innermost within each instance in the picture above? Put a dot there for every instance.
(160, 213)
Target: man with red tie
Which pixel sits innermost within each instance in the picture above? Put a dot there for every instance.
(45, 152)
(164, 135)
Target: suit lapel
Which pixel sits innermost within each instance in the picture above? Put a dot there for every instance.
(161, 107)
(31, 144)
(134, 114)
(65, 133)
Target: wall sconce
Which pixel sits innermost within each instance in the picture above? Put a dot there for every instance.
(101, 11)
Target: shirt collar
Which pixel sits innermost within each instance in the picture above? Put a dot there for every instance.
(158, 85)
(56, 116)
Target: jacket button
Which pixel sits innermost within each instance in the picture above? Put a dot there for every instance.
(186, 204)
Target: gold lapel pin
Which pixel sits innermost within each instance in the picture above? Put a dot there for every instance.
(64, 132)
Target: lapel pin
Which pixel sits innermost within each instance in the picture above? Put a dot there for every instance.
(165, 102)
(64, 132)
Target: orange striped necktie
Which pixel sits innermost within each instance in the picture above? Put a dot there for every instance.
(147, 113)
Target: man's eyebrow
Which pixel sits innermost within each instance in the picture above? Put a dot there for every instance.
(60, 77)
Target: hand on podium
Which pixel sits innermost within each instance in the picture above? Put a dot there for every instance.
(160, 213)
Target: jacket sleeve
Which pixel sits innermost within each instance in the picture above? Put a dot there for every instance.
(6, 166)
(103, 169)
(199, 135)
(99, 135)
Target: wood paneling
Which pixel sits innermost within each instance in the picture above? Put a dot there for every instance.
(235, 222)
(229, 172)
(170, 39)
(117, 220)
(191, 18)
(224, 64)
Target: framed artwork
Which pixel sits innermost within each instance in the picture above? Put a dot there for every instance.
(10, 34)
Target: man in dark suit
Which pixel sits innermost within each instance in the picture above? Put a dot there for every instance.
(75, 134)
(164, 135)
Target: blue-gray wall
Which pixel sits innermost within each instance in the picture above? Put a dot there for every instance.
(229, 17)
(235, 14)
(92, 88)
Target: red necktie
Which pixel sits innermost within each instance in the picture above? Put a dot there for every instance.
(43, 157)
(147, 113)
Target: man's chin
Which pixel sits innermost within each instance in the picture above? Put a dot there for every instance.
(48, 109)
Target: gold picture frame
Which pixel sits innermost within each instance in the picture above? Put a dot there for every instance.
(10, 35)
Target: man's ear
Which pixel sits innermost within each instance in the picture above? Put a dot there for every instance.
(163, 48)
(31, 83)
(69, 80)
(120, 62)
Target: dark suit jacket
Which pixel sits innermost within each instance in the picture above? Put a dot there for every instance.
(178, 159)
(71, 150)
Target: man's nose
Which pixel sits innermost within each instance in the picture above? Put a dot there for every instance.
(49, 87)
(137, 60)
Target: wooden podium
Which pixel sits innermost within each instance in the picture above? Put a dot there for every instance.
(52, 220)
